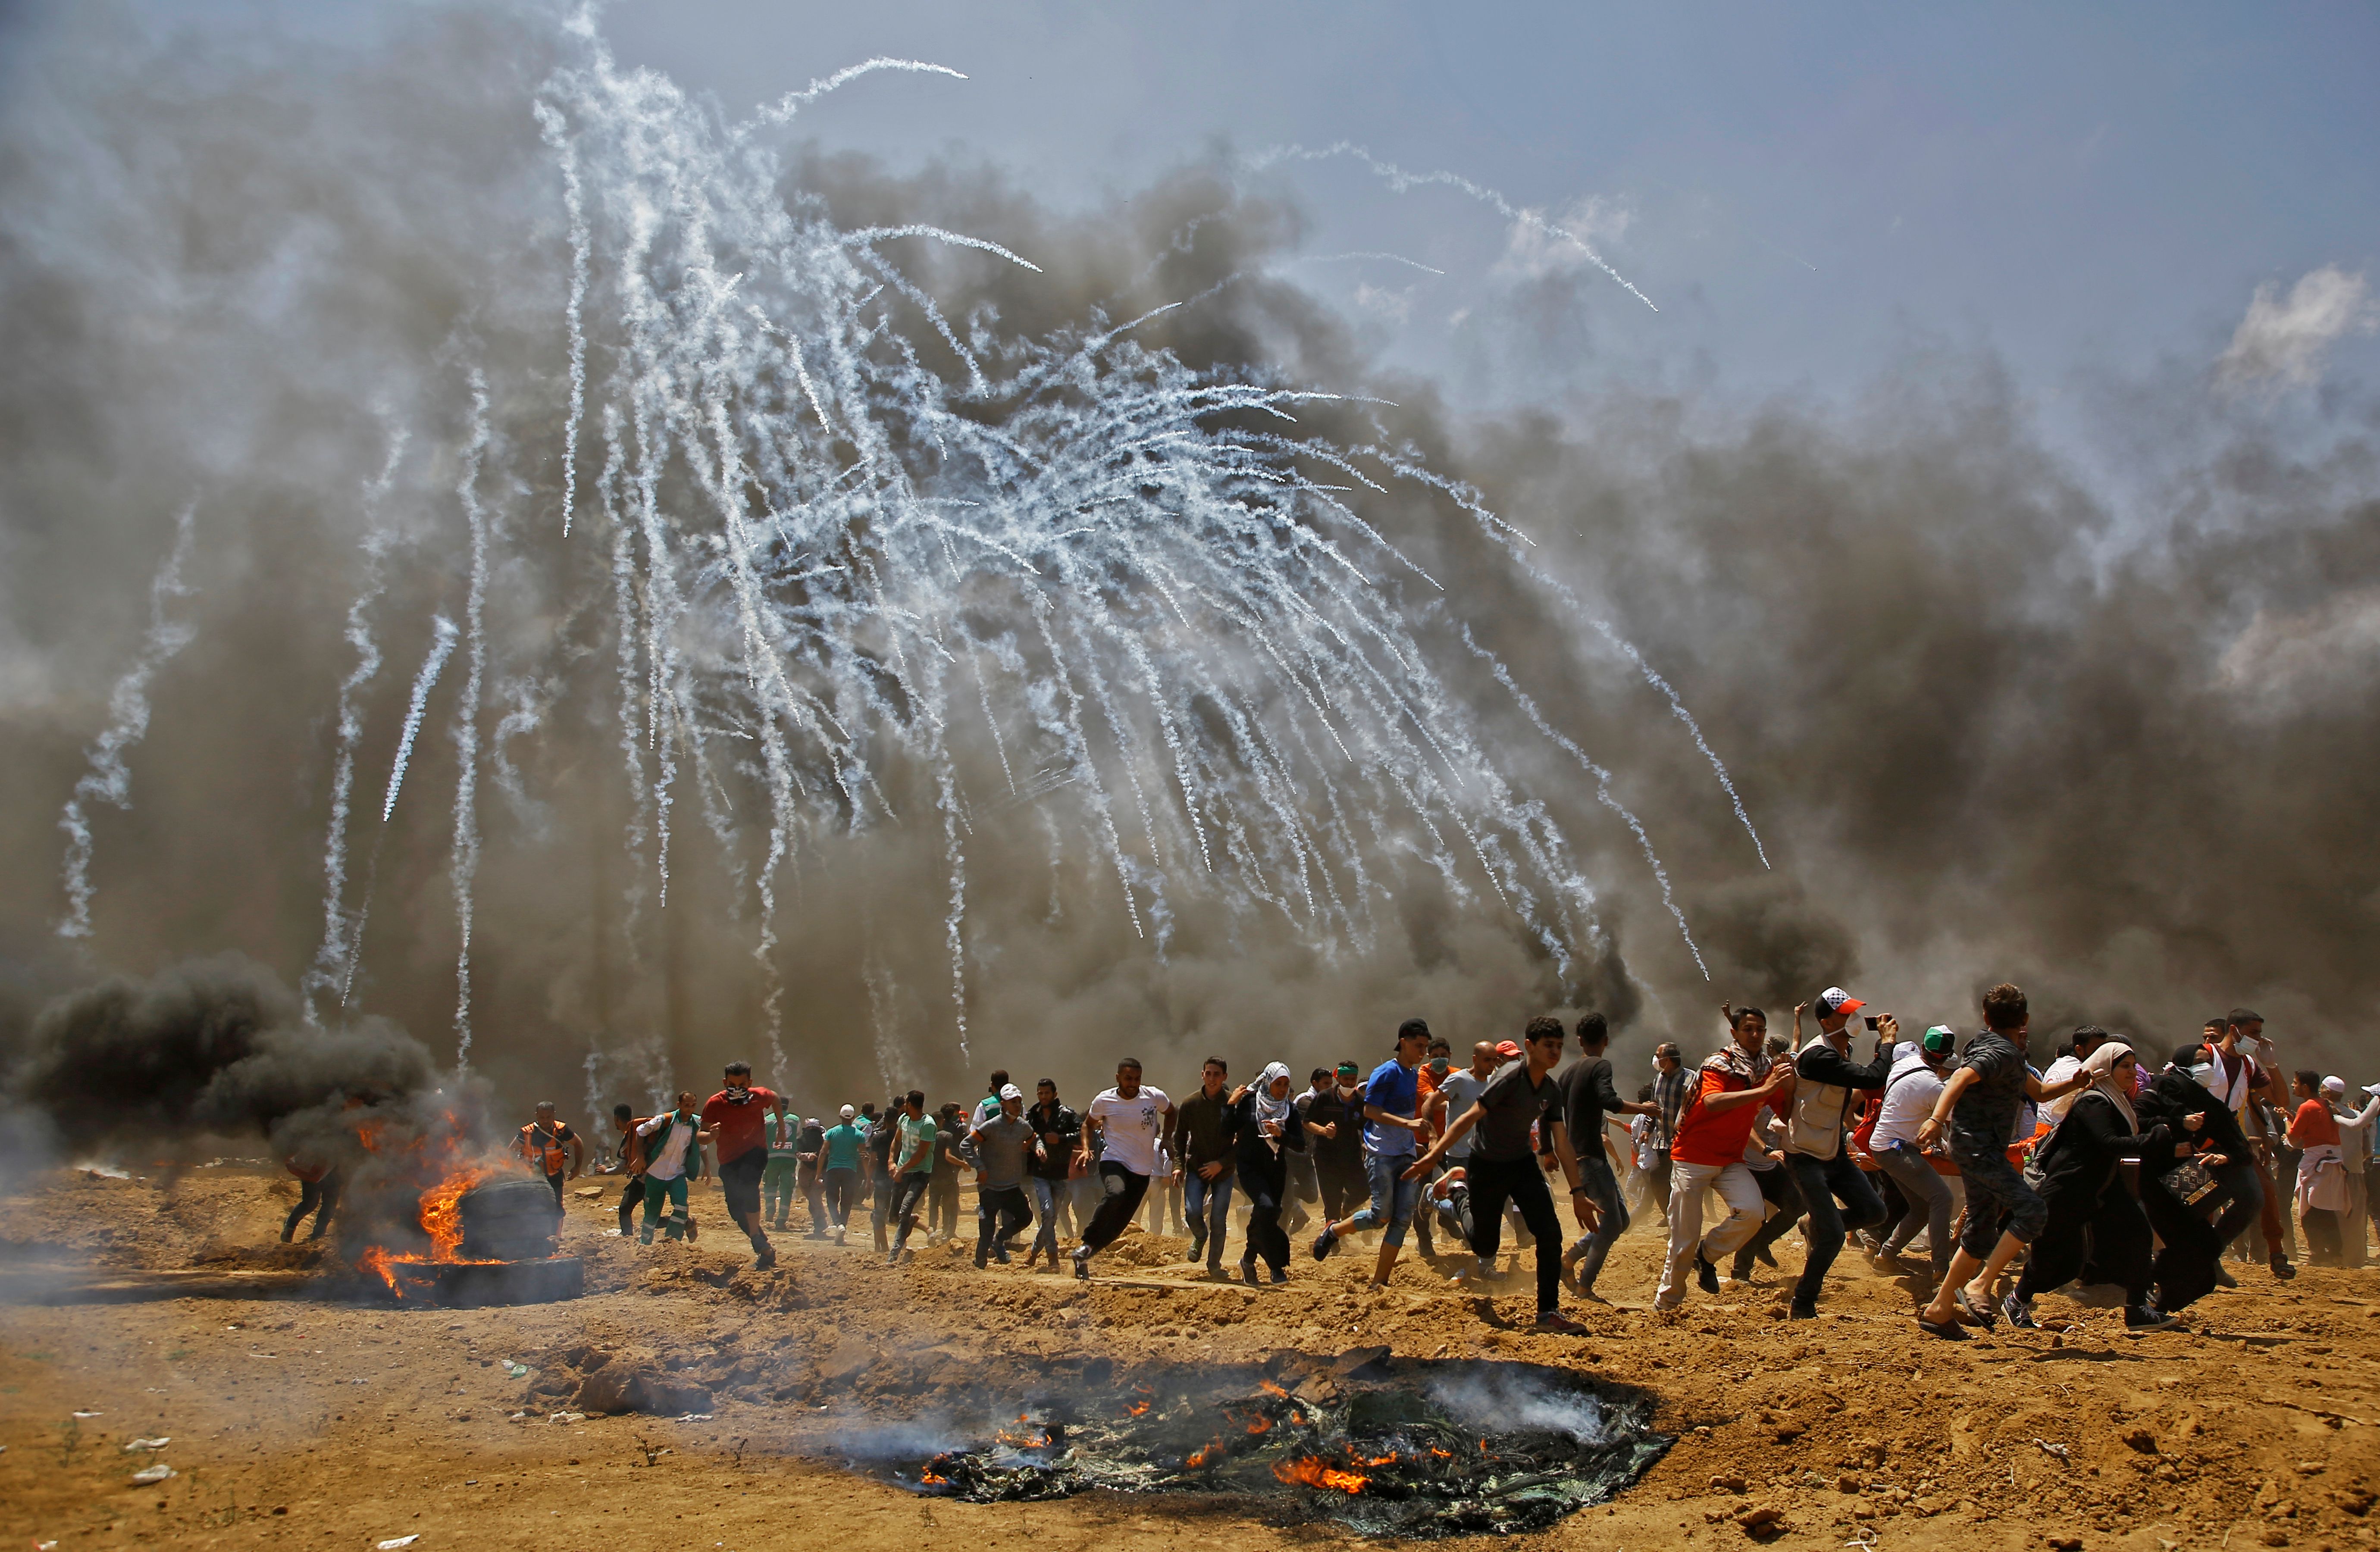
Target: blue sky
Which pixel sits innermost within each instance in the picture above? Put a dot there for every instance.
(1801, 190)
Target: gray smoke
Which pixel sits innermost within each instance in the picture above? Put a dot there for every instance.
(1986, 730)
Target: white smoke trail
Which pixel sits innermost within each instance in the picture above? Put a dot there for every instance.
(331, 958)
(575, 211)
(464, 866)
(109, 779)
(1399, 180)
(442, 643)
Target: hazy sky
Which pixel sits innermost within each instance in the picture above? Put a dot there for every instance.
(1798, 190)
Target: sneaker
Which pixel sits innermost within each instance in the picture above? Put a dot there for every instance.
(1197, 1249)
(2020, 1313)
(1801, 1309)
(1280, 1276)
(1767, 1259)
(1083, 1264)
(2282, 1270)
(1248, 1270)
(1485, 1267)
(1323, 1245)
(689, 1229)
(1556, 1321)
(1001, 1254)
(764, 1258)
(2224, 1279)
(981, 1258)
(1974, 1311)
(893, 1257)
(2148, 1318)
(1870, 1244)
(1705, 1274)
(1948, 1331)
(838, 1236)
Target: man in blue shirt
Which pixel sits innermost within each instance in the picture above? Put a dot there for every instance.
(1391, 1129)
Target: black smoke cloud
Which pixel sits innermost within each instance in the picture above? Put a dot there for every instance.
(1985, 729)
(214, 1048)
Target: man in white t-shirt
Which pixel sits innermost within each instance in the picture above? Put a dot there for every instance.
(668, 1141)
(2087, 1038)
(1132, 1123)
(1909, 1091)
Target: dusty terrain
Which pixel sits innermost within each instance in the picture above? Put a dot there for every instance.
(302, 1420)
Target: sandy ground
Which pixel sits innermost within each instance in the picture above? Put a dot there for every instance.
(300, 1419)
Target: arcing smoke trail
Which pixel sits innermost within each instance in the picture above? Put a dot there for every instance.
(331, 958)
(109, 779)
(442, 643)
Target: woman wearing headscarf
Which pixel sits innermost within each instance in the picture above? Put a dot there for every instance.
(1265, 1124)
(2079, 1183)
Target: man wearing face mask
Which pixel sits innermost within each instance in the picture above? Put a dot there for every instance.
(1334, 1128)
(737, 1118)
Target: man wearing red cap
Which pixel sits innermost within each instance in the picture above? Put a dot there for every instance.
(1824, 1097)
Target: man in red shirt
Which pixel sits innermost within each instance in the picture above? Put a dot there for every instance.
(737, 1118)
(1706, 1153)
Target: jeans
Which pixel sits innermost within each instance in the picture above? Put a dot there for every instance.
(841, 1196)
(1053, 1200)
(1925, 1186)
(1393, 1198)
(1205, 1205)
(1994, 1187)
(655, 1191)
(1823, 1181)
(881, 1216)
(1595, 1173)
(1492, 1182)
(1121, 1190)
(907, 1198)
(1687, 1183)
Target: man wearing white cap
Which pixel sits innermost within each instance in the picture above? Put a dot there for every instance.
(2355, 1154)
(840, 1148)
(1827, 1092)
(1005, 1147)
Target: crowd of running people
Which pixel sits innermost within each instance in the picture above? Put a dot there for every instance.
(2106, 1164)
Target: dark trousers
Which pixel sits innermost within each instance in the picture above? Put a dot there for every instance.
(1120, 1194)
(1266, 1237)
(1344, 1188)
(908, 1195)
(1005, 1204)
(2325, 1245)
(841, 1196)
(2109, 1229)
(1824, 1183)
(807, 1178)
(2244, 1183)
(1779, 1187)
(739, 1182)
(321, 1195)
(2192, 1250)
(632, 1196)
(1611, 1217)
(1519, 1181)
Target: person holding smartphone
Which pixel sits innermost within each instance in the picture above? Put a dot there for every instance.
(1824, 1095)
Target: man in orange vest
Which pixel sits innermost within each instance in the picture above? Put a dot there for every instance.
(548, 1144)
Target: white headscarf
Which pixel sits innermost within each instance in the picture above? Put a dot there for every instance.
(2101, 1065)
(1267, 1108)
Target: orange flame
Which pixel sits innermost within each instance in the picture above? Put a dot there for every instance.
(1271, 1389)
(442, 1210)
(1137, 1409)
(1441, 1454)
(1212, 1452)
(1387, 1460)
(930, 1479)
(1312, 1473)
(1261, 1425)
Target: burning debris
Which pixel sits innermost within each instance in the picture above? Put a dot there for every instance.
(1431, 1449)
